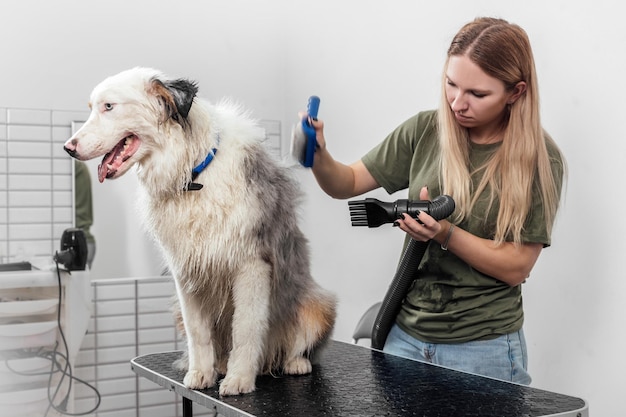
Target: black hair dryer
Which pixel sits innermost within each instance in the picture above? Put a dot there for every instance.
(73, 254)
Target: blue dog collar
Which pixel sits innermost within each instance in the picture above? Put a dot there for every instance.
(197, 170)
(194, 186)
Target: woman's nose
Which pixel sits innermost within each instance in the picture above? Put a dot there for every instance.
(457, 104)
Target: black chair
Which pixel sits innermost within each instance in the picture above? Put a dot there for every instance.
(364, 327)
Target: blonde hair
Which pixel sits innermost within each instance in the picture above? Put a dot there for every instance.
(502, 50)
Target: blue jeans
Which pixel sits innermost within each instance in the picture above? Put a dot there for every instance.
(502, 358)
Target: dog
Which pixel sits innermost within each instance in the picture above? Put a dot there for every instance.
(223, 210)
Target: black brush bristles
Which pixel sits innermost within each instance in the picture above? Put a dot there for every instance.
(369, 212)
(358, 213)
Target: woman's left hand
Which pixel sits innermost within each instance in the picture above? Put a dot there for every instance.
(425, 227)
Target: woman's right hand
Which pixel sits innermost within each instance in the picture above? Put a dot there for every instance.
(318, 125)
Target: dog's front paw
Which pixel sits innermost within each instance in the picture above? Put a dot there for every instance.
(237, 384)
(298, 366)
(196, 379)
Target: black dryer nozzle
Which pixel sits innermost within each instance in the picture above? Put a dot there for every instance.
(372, 212)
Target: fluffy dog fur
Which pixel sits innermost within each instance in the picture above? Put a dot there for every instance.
(247, 302)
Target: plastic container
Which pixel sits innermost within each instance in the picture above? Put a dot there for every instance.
(27, 335)
(28, 307)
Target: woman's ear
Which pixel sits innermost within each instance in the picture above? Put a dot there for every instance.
(517, 92)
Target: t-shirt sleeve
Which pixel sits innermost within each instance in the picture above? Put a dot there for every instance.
(390, 161)
(535, 227)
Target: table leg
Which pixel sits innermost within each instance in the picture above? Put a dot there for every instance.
(187, 407)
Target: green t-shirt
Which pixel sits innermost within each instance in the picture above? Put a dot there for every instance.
(82, 200)
(451, 302)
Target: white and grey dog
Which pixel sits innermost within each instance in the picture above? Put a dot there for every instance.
(224, 213)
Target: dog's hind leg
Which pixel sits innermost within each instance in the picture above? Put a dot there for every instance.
(251, 294)
(316, 318)
(297, 363)
(201, 371)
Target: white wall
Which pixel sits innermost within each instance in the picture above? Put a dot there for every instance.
(57, 51)
(373, 64)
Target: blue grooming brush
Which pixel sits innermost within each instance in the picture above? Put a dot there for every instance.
(303, 142)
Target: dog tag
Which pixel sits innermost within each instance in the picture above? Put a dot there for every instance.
(194, 186)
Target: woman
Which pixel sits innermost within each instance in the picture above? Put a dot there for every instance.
(486, 148)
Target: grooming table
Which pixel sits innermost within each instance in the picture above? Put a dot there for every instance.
(352, 380)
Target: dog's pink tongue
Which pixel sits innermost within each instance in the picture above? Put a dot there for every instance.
(103, 169)
(102, 172)
(112, 161)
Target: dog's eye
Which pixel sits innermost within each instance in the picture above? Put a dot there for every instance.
(108, 106)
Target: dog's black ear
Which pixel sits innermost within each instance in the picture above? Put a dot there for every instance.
(183, 92)
(176, 96)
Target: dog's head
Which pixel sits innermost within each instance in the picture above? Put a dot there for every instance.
(127, 112)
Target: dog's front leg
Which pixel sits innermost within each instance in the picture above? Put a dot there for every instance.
(201, 371)
(251, 293)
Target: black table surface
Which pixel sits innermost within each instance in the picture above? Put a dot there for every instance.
(351, 380)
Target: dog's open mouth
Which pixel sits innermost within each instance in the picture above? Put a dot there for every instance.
(113, 160)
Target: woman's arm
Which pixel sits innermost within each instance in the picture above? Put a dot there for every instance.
(339, 180)
(507, 262)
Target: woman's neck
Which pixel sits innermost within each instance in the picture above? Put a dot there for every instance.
(486, 136)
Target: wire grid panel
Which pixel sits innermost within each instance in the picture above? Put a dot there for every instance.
(272, 137)
(36, 199)
(131, 317)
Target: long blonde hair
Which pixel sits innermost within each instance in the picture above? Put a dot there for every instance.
(502, 50)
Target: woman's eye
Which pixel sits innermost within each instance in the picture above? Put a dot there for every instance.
(108, 106)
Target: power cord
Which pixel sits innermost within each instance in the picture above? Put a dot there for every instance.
(59, 362)
(67, 369)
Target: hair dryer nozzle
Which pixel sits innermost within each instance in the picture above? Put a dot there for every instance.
(372, 212)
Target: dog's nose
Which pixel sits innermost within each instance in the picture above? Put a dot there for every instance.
(70, 148)
(72, 152)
